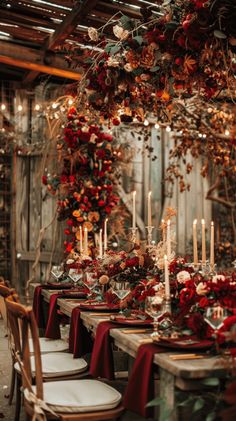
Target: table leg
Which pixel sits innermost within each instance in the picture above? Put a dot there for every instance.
(167, 393)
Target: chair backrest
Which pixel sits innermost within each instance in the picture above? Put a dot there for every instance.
(5, 292)
(23, 324)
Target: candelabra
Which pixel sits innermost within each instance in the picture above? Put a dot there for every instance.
(149, 229)
(133, 234)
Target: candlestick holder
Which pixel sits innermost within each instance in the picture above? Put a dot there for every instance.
(166, 321)
(149, 229)
(205, 268)
(133, 234)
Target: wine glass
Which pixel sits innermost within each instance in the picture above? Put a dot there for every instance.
(121, 290)
(154, 307)
(75, 276)
(215, 316)
(57, 271)
(90, 282)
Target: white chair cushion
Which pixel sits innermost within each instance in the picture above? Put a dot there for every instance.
(50, 345)
(73, 396)
(58, 364)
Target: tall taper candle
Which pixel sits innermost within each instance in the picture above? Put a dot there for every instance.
(203, 241)
(149, 209)
(86, 241)
(105, 234)
(195, 252)
(80, 240)
(134, 209)
(163, 224)
(212, 256)
(100, 244)
(168, 241)
(167, 281)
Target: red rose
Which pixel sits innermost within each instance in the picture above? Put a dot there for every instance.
(107, 209)
(204, 302)
(101, 203)
(70, 222)
(44, 180)
(187, 296)
(116, 121)
(72, 178)
(133, 261)
(63, 179)
(67, 231)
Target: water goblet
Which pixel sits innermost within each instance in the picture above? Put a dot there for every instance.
(154, 307)
(121, 290)
(215, 316)
(57, 271)
(75, 276)
(90, 282)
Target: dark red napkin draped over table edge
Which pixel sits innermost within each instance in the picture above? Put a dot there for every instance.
(102, 363)
(53, 322)
(80, 341)
(38, 301)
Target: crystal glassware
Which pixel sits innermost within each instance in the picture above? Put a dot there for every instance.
(215, 316)
(121, 290)
(57, 271)
(75, 276)
(154, 307)
(90, 281)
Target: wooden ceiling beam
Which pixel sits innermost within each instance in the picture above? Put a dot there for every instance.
(30, 59)
(78, 13)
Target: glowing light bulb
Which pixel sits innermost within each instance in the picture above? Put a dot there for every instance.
(157, 126)
(199, 135)
(168, 129)
(19, 108)
(70, 102)
(181, 132)
(146, 122)
(54, 105)
(37, 107)
(3, 107)
(227, 133)
(204, 135)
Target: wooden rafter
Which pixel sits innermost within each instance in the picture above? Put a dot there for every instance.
(78, 13)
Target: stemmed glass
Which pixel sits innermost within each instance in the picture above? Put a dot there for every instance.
(75, 276)
(121, 290)
(215, 316)
(57, 271)
(154, 307)
(90, 282)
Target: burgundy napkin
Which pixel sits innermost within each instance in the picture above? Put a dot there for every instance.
(38, 302)
(53, 323)
(102, 363)
(140, 388)
(80, 341)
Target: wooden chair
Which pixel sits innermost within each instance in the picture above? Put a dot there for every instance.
(70, 400)
(55, 365)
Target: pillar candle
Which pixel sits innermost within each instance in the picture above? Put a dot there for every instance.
(163, 230)
(86, 241)
(105, 234)
(149, 209)
(100, 243)
(167, 281)
(203, 241)
(212, 257)
(80, 240)
(195, 252)
(134, 209)
(168, 241)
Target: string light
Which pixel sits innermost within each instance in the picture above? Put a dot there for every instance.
(70, 102)
(3, 107)
(227, 133)
(54, 105)
(157, 126)
(199, 135)
(168, 129)
(146, 122)
(204, 135)
(19, 108)
(37, 107)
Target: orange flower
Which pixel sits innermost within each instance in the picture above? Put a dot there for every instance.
(76, 214)
(88, 225)
(93, 216)
(148, 56)
(165, 96)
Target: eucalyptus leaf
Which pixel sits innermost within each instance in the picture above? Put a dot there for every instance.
(211, 416)
(219, 34)
(199, 404)
(156, 402)
(211, 381)
(139, 39)
(114, 49)
(155, 68)
(126, 22)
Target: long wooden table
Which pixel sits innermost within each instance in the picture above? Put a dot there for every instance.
(184, 374)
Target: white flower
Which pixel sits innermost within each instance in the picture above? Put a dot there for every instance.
(183, 276)
(93, 138)
(93, 34)
(128, 67)
(120, 33)
(218, 278)
(202, 289)
(112, 62)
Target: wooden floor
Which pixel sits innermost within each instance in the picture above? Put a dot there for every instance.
(6, 411)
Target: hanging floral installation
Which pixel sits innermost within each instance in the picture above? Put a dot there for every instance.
(179, 49)
(86, 177)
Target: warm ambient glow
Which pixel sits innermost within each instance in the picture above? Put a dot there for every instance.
(168, 129)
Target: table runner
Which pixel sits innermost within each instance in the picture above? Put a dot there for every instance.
(102, 362)
(53, 322)
(38, 302)
(80, 341)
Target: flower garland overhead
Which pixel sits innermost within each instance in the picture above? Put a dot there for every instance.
(179, 48)
(85, 182)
